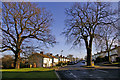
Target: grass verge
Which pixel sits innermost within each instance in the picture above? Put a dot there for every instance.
(113, 64)
(27, 69)
(90, 66)
(28, 73)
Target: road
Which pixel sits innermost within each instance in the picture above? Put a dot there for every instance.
(75, 72)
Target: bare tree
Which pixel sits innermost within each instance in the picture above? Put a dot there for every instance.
(83, 21)
(7, 61)
(28, 48)
(23, 20)
(107, 38)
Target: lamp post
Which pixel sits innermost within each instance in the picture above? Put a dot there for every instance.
(61, 57)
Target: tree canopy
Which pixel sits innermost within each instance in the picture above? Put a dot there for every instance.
(23, 20)
(84, 20)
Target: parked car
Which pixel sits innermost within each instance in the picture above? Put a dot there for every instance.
(71, 63)
(75, 62)
(83, 61)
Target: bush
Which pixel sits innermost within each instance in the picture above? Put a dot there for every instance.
(106, 58)
(98, 59)
(22, 65)
(61, 63)
(7, 61)
(101, 59)
(117, 59)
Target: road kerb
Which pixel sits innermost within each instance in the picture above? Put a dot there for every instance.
(57, 75)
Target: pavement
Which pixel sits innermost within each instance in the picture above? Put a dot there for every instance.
(77, 72)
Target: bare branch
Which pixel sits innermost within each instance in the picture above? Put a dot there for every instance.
(22, 21)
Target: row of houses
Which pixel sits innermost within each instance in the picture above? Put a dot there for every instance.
(114, 52)
(46, 60)
(37, 60)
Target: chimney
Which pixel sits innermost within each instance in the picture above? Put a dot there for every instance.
(47, 54)
(115, 46)
(41, 52)
(57, 55)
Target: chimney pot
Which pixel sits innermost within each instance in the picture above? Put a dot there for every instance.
(41, 52)
(48, 54)
(60, 55)
(57, 55)
(115, 46)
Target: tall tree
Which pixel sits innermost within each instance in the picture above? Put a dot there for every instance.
(107, 38)
(83, 21)
(23, 20)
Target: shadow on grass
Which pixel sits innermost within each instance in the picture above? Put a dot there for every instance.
(30, 75)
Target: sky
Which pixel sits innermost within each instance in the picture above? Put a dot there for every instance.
(60, 0)
(59, 16)
(57, 27)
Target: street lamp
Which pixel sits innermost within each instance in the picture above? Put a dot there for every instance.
(61, 57)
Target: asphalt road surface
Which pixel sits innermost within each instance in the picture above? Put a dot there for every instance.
(75, 72)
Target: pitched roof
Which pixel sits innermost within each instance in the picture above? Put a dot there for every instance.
(66, 58)
(45, 56)
(109, 50)
(114, 55)
(52, 56)
(61, 57)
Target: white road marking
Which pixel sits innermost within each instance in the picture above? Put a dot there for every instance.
(103, 71)
(73, 75)
(90, 75)
(98, 77)
(57, 75)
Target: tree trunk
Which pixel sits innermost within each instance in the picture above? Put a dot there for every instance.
(16, 61)
(109, 60)
(89, 51)
(89, 57)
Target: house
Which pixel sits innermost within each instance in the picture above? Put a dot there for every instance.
(58, 57)
(62, 59)
(54, 59)
(113, 57)
(67, 60)
(114, 52)
(118, 51)
(40, 60)
(77, 59)
(70, 57)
